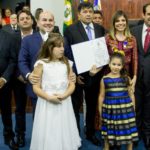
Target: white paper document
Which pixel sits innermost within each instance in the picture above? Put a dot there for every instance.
(89, 53)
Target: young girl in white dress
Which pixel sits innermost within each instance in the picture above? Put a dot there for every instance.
(54, 126)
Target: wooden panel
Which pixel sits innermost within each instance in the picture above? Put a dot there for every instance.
(133, 9)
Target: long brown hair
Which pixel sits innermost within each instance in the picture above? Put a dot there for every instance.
(46, 51)
(118, 14)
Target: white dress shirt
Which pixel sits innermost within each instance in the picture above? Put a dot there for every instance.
(91, 27)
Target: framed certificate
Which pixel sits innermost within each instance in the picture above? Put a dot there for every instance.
(89, 53)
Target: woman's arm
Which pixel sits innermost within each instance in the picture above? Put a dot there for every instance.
(134, 57)
(134, 64)
(38, 70)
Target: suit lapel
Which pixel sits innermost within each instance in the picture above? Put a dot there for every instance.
(39, 38)
(82, 31)
(139, 38)
(95, 31)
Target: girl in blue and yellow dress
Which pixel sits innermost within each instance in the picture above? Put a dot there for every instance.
(116, 105)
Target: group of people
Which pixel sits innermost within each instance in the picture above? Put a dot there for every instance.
(39, 64)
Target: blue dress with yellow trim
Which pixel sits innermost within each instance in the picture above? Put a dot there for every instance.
(118, 116)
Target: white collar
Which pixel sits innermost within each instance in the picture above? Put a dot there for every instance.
(44, 36)
(14, 26)
(145, 28)
(22, 35)
(85, 25)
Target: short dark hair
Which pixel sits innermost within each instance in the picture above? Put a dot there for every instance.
(24, 11)
(98, 12)
(38, 12)
(144, 7)
(84, 5)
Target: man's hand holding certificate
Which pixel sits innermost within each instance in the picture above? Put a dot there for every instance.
(90, 53)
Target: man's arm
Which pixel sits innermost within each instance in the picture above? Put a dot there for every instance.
(24, 58)
(12, 57)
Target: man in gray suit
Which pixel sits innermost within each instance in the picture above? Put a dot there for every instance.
(142, 89)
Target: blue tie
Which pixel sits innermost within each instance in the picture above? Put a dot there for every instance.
(89, 33)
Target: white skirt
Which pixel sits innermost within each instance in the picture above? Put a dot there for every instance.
(55, 127)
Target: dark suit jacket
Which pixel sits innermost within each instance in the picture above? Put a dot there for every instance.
(76, 34)
(8, 56)
(9, 29)
(143, 58)
(27, 56)
(18, 38)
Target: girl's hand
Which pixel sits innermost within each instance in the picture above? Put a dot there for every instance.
(62, 96)
(54, 99)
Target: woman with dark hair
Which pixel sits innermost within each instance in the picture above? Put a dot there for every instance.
(116, 106)
(6, 17)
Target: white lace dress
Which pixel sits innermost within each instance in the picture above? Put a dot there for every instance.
(54, 126)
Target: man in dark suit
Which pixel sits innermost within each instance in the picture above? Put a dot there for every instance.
(142, 89)
(8, 62)
(25, 22)
(88, 82)
(12, 27)
(29, 50)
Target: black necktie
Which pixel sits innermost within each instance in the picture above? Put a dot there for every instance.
(14, 28)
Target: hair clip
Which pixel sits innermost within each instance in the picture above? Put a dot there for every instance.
(115, 50)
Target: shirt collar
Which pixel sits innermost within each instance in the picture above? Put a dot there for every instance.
(145, 28)
(14, 26)
(85, 25)
(44, 36)
(22, 35)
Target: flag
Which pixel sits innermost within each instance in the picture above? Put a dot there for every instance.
(97, 5)
(68, 16)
